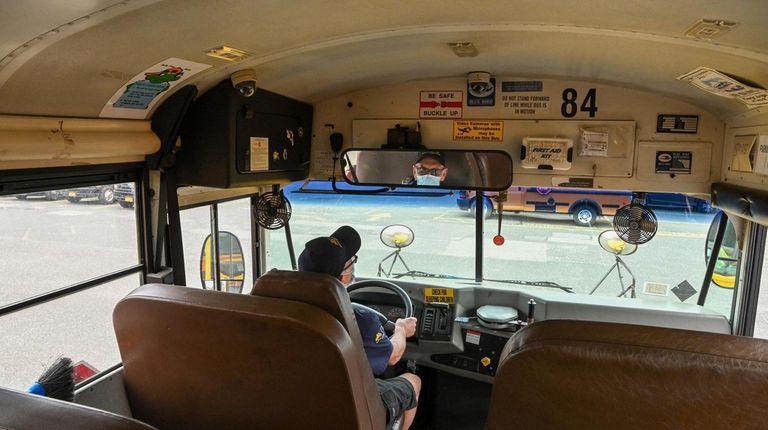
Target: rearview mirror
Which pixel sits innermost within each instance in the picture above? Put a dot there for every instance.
(727, 263)
(231, 264)
(429, 168)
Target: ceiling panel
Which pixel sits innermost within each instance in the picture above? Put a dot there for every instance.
(316, 49)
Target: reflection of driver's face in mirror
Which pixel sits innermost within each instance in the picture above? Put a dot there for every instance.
(430, 170)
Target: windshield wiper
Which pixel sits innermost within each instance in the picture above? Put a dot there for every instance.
(420, 274)
(545, 284)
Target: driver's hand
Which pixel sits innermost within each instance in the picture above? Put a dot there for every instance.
(408, 325)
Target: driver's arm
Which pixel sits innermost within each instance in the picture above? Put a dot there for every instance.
(404, 328)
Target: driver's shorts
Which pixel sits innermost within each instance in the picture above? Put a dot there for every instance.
(398, 396)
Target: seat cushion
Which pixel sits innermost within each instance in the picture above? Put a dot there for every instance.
(586, 375)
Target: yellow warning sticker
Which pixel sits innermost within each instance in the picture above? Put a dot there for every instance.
(488, 131)
(438, 295)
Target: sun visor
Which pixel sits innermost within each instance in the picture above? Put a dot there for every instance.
(744, 202)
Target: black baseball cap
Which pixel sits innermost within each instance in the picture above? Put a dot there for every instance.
(431, 154)
(330, 254)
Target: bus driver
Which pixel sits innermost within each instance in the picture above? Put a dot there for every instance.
(336, 256)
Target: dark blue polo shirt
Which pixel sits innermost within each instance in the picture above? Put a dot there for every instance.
(377, 345)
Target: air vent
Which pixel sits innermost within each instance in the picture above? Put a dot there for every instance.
(708, 29)
(463, 49)
(226, 53)
(428, 326)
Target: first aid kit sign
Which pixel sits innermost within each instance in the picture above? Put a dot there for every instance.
(441, 104)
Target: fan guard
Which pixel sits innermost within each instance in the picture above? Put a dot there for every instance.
(635, 224)
(272, 211)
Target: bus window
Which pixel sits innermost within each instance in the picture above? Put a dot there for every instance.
(78, 326)
(69, 256)
(541, 252)
(234, 218)
(78, 235)
(444, 239)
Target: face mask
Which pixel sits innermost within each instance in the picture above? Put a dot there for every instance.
(429, 180)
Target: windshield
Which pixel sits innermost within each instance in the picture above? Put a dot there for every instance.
(437, 232)
(547, 246)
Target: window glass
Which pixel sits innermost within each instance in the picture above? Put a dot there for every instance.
(78, 326)
(195, 227)
(234, 218)
(443, 236)
(550, 241)
(542, 248)
(56, 238)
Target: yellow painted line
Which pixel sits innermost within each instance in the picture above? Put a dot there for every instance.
(379, 216)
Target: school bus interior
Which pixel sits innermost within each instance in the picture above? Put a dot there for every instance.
(201, 106)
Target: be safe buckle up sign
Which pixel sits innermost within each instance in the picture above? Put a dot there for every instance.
(441, 104)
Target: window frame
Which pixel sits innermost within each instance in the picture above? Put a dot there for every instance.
(750, 271)
(213, 219)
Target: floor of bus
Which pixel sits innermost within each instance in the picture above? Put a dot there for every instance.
(449, 402)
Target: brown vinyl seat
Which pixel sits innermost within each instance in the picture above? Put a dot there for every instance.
(197, 359)
(327, 293)
(22, 411)
(586, 375)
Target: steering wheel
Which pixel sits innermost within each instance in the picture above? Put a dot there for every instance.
(388, 325)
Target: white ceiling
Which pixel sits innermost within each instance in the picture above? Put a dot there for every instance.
(25, 20)
(314, 49)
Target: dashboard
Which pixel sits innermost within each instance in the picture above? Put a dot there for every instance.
(450, 337)
(476, 352)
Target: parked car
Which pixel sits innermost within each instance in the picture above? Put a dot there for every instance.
(47, 195)
(104, 193)
(125, 194)
(584, 206)
(677, 201)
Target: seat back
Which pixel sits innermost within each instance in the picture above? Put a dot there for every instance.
(585, 375)
(197, 359)
(328, 294)
(22, 411)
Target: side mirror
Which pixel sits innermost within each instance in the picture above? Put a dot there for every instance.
(727, 263)
(231, 264)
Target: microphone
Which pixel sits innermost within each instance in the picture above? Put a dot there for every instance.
(337, 141)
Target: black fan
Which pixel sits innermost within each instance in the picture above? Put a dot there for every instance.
(635, 223)
(272, 211)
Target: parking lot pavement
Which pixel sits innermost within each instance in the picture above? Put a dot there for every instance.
(51, 244)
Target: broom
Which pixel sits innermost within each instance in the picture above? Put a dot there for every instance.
(57, 381)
